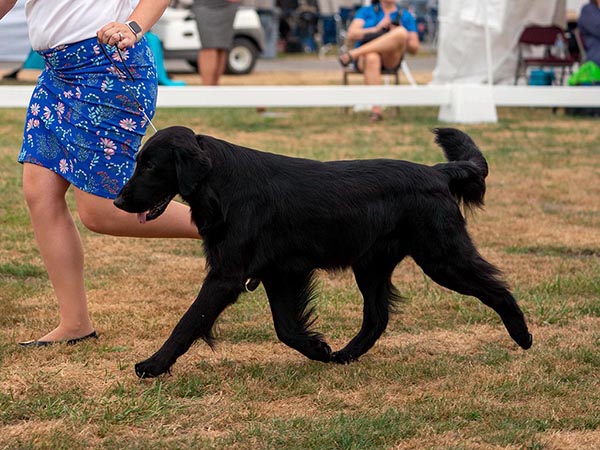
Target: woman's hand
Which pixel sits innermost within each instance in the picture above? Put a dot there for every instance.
(384, 24)
(116, 33)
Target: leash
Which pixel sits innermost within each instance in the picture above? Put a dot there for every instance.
(250, 284)
(127, 75)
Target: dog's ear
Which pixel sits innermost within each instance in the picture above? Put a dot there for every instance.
(192, 163)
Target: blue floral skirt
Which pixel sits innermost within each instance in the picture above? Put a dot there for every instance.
(84, 120)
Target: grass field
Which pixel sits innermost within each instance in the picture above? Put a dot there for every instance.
(445, 375)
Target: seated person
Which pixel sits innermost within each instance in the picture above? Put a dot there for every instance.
(396, 33)
(589, 28)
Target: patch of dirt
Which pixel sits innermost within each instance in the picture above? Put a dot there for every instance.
(571, 440)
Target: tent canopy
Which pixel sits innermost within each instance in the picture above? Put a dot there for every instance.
(464, 25)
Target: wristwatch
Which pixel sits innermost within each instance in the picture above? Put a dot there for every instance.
(135, 28)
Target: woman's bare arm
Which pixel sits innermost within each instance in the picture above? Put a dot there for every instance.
(6, 6)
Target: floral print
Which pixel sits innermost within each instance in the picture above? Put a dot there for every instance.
(109, 147)
(128, 124)
(32, 123)
(83, 121)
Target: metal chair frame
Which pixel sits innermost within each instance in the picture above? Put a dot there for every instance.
(544, 37)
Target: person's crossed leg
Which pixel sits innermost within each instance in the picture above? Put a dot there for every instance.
(383, 32)
(386, 51)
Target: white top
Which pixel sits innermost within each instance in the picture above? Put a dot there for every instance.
(56, 22)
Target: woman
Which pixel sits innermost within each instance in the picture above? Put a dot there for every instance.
(383, 33)
(83, 128)
(215, 26)
(589, 27)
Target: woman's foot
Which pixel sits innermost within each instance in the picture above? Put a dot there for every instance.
(375, 116)
(345, 59)
(63, 335)
(73, 341)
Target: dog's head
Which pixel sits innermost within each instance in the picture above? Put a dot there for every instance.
(170, 163)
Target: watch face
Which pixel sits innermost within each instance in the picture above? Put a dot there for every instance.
(135, 27)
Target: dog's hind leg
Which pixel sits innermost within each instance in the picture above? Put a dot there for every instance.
(379, 294)
(216, 294)
(289, 298)
(454, 263)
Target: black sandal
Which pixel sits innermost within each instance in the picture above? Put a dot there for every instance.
(92, 335)
(345, 59)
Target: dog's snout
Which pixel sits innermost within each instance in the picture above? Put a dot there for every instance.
(118, 201)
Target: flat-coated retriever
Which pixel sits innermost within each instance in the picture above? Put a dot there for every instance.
(278, 219)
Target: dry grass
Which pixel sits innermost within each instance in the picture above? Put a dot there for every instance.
(444, 376)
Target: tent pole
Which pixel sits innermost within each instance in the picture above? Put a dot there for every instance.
(488, 45)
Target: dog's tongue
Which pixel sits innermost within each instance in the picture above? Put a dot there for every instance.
(142, 217)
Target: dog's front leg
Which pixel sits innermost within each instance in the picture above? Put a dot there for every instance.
(214, 296)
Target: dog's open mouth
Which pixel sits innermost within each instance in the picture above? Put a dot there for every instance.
(155, 211)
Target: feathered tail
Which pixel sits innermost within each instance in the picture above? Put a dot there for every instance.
(466, 168)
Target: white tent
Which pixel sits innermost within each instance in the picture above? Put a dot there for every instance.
(466, 26)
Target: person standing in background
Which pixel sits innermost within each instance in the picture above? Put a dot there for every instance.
(215, 26)
(589, 27)
(269, 20)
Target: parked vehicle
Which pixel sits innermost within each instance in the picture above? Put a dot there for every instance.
(178, 33)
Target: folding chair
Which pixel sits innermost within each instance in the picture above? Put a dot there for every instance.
(579, 43)
(543, 39)
(393, 73)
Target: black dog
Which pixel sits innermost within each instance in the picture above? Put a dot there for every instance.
(275, 218)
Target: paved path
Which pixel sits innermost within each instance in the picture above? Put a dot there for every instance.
(424, 63)
(304, 63)
(287, 63)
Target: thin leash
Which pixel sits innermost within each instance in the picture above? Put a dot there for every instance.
(127, 75)
(251, 283)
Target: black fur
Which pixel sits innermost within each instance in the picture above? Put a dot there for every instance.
(278, 219)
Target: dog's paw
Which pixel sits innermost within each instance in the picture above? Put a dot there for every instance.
(525, 340)
(150, 368)
(325, 351)
(318, 350)
(342, 357)
(520, 334)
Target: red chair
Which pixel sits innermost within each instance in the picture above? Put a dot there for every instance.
(545, 38)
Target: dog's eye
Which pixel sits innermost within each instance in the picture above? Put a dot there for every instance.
(149, 165)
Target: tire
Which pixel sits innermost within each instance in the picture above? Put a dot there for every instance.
(242, 57)
(193, 63)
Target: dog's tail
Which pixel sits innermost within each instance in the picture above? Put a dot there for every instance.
(466, 168)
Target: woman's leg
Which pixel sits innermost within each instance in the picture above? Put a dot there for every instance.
(390, 45)
(60, 244)
(222, 61)
(60, 247)
(386, 51)
(370, 65)
(207, 66)
(100, 215)
(211, 64)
